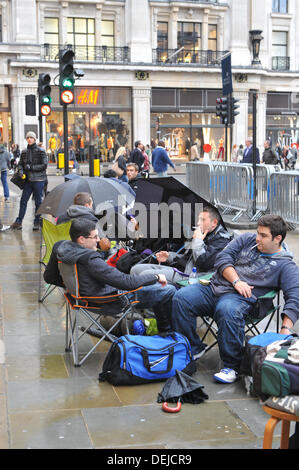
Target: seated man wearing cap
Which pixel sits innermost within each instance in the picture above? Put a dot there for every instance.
(33, 164)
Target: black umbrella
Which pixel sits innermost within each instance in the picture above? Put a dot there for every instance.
(177, 224)
(102, 190)
(182, 388)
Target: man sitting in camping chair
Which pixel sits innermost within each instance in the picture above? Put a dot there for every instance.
(249, 267)
(209, 238)
(97, 278)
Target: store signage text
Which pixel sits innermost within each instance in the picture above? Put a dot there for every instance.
(88, 96)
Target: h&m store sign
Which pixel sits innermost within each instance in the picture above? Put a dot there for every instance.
(85, 97)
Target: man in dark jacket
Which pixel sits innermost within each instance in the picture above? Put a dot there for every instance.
(97, 278)
(136, 155)
(250, 266)
(248, 152)
(33, 165)
(209, 238)
(269, 156)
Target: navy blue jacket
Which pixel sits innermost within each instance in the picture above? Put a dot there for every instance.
(248, 155)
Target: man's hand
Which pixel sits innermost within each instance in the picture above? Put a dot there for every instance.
(198, 233)
(243, 289)
(162, 256)
(105, 244)
(162, 279)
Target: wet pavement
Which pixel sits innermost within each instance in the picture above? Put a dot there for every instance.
(47, 403)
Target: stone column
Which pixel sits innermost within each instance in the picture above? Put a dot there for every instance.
(138, 30)
(205, 31)
(63, 23)
(240, 129)
(18, 117)
(98, 20)
(141, 114)
(173, 28)
(261, 108)
(25, 14)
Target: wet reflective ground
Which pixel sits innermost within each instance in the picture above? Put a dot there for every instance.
(47, 403)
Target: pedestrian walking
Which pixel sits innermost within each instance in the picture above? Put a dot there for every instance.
(4, 166)
(161, 160)
(269, 156)
(136, 155)
(33, 164)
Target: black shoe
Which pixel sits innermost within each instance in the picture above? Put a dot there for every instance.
(35, 226)
(16, 226)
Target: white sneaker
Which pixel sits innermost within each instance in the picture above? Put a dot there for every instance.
(226, 376)
(4, 227)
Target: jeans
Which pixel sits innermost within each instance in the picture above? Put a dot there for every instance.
(4, 183)
(160, 300)
(229, 312)
(35, 187)
(162, 173)
(169, 272)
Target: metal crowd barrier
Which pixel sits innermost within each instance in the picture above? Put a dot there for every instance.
(284, 196)
(230, 186)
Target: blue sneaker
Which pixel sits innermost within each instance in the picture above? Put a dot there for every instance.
(226, 376)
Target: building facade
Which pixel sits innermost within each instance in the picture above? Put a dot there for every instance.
(152, 70)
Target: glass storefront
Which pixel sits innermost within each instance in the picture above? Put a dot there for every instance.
(181, 130)
(283, 129)
(99, 117)
(182, 117)
(5, 117)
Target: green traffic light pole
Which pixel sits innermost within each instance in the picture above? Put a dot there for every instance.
(65, 139)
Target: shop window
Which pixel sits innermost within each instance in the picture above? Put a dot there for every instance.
(212, 39)
(0, 28)
(81, 34)
(278, 100)
(164, 97)
(162, 35)
(280, 6)
(107, 33)
(190, 98)
(189, 36)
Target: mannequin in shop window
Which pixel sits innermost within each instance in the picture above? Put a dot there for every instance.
(103, 147)
(80, 147)
(221, 150)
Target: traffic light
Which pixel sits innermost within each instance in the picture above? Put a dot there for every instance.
(222, 109)
(30, 105)
(44, 91)
(66, 76)
(233, 107)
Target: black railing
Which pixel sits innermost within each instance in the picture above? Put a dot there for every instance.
(280, 63)
(185, 57)
(100, 54)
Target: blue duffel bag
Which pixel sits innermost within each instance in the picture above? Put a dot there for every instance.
(134, 359)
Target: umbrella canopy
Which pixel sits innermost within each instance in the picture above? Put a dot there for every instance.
(102, 190)
(186, 204)
(182, 388)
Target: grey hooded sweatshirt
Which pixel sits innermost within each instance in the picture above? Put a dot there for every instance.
(96, 278)
(263, 271)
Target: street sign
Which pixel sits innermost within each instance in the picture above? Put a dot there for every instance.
(227, 81)
(45, 110)
(67, 97)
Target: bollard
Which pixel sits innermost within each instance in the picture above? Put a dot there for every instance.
(96, 167)
(91, 160)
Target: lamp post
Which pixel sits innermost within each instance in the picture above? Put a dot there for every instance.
(255, 38)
